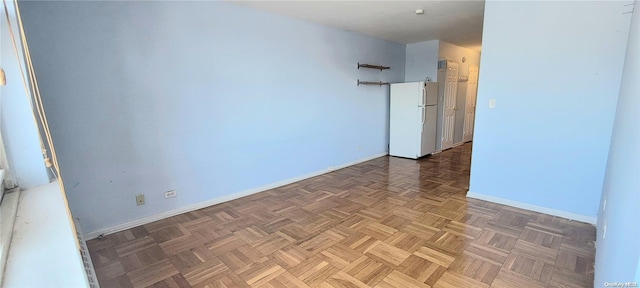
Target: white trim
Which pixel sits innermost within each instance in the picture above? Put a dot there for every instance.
(225, 198)
(535, 208)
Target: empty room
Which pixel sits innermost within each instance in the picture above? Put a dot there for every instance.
(319, 144)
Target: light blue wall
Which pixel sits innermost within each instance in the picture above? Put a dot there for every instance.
(19, 130)
(554, 69)
(618, 252)
(422, 61)
(207, 98)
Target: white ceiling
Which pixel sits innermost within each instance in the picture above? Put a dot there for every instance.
(457, 22)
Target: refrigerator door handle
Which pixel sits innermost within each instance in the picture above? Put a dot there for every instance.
(424, 96)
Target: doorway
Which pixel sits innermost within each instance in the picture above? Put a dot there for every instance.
(458, 92)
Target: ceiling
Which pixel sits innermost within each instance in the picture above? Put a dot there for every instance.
(457, 22)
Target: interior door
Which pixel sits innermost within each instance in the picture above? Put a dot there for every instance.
(470, 107)
(450, 92)
(461, 102)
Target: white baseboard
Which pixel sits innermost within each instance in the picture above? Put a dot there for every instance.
(225, 198)
(535, 208)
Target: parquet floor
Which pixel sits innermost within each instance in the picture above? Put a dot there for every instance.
(388, 222)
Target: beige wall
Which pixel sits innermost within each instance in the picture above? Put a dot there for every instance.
(455, 53)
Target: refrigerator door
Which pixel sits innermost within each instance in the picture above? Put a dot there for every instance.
(431, 89)
(423, 94)
(422, 125)
(428, 135)
(405, 123)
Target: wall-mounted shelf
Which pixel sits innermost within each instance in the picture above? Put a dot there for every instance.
(372, 66)
(379, 83)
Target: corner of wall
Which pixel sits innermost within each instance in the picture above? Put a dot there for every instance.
(617, 253)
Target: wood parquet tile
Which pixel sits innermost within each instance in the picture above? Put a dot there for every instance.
(388, 222)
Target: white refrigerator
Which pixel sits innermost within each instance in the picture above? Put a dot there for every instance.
(413, 117)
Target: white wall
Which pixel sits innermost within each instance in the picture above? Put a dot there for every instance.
(421, 61)
(554, 69)
(618, 252)
(207, 98)
(19, 129)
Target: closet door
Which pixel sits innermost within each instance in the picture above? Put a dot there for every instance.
(450, 92)
(470, 107)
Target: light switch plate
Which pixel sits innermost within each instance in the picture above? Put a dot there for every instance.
(492, 103)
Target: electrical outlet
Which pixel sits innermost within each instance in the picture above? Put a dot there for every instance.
(170, 194)
(140, 199)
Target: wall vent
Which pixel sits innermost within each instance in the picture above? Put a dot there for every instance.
(86, 258)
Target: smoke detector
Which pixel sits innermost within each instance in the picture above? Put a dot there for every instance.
(419, 11)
